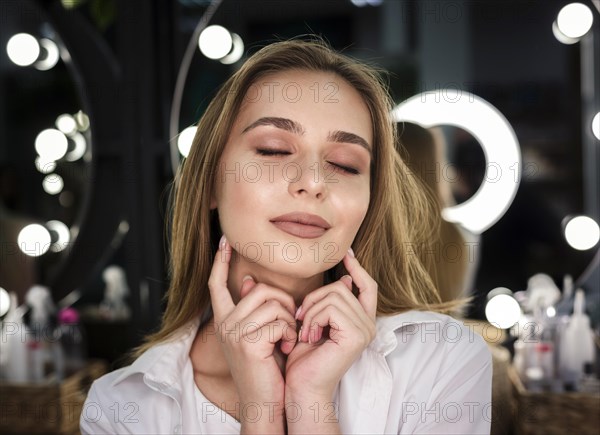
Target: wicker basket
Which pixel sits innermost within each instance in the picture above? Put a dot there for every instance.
(48, 408)
(554, 413)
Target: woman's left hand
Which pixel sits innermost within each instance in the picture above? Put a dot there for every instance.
(316, 364)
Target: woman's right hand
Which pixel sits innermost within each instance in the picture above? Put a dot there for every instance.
(248, 333)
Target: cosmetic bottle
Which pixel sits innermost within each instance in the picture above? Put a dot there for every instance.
(72, 340)
(544, 294)
(39, 299)
(563, 310)
(113, 307)
(577, 345)
(14, 347)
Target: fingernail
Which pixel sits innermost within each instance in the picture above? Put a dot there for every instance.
(222, 242)
(298, 311)
(246, 277)
(351, 252)
(300, 334)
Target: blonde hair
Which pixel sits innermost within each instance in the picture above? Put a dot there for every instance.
(392, 238)
(426, 160)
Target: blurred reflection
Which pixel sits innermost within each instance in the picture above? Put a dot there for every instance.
(456, 253)
(44, 151)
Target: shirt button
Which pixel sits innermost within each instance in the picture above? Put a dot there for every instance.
(177, 429)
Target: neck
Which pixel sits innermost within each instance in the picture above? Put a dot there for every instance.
(206, 353)
(295, 286)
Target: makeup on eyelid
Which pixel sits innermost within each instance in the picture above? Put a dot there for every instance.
(347, 158)
(268, 152)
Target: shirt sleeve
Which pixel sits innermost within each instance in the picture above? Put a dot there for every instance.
(461, 398)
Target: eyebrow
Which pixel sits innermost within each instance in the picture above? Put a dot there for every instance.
(296, 128)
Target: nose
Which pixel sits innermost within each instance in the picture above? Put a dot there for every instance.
(307, 178)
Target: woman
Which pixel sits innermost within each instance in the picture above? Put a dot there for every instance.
(272, 324)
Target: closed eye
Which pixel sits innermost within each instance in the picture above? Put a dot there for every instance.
(265, 152)
(345, 168)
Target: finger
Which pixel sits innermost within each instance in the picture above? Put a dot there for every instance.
(367, 286)
(248, 284)
(347, 280)
(351, 308)
(260, 294)
(222, 303)
(268, 312)
(281, 330)
(343, 286)
(274, 331)
(339, 322)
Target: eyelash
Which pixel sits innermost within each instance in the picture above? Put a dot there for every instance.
(264, 152)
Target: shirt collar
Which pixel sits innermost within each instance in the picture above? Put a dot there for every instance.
(386, 341)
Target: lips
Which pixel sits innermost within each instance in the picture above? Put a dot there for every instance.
(304, 225)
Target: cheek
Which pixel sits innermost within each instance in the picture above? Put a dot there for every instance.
(244, 193)
(359, 215)
(354, 205)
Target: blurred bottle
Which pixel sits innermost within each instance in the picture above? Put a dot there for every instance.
(577, 345)
(73, 345)
(39, 299)
(13, 356)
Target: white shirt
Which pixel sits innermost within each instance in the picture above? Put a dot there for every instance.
(424, 372)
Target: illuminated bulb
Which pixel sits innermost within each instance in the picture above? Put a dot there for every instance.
(44, 166)
(359, 3)
(83, 121)
(66, 124)
(503, 311)
(23, 49)
(34, 240)
(596, 125)
(236, 52)
(51, 144)
(53, 184)
(79, 149)
(215, 42)
(560, 37)
(185, 139)
(582, 233)
(4, 302)
(574, 20)
(50, 55)
(62, 233)
(123, 227)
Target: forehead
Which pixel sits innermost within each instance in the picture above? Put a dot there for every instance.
(315, 99)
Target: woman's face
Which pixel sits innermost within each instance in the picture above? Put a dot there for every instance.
(301, 145)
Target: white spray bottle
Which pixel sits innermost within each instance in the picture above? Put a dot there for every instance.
(577, 344)
(14, 347)
(40, 300)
